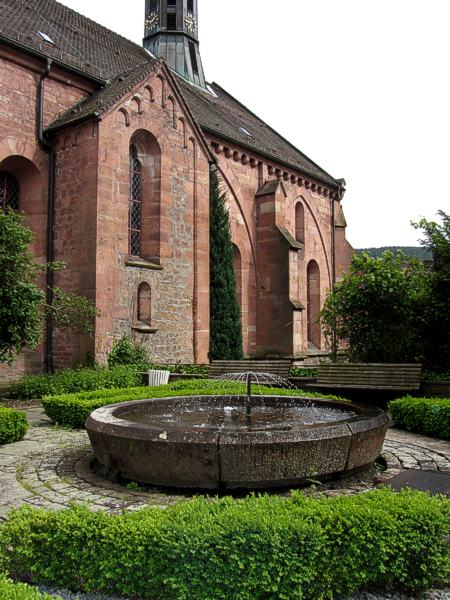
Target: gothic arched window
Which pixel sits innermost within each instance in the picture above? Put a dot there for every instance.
(135, 204)
(9, 191)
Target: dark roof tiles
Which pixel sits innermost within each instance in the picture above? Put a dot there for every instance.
(95, 51)
(78, 42)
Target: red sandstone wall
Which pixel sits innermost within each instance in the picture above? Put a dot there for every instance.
(21, 154)
(180, 289)
(75, 229)
(286, 276)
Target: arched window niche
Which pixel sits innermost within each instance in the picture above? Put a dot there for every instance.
(237, 266)
(143, 321)
(300, 222)
(144, 307)
(313, 291)
(9, 192)
(145, 198)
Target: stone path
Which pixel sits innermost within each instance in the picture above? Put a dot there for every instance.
(51, 468)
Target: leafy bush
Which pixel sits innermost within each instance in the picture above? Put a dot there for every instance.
(75, 380)
(72, 410)
(126, 352)
(10, 590)
(182, 369)
(430, 416)
(376, 310)
(436, 376)
(256, 548)
(13, 425)
(302, 372)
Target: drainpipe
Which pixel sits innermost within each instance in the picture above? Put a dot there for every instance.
(44, 142)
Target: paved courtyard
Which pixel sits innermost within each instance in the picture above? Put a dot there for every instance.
(51, 468)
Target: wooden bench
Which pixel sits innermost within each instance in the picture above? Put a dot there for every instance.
(375, 376)
(280, 368)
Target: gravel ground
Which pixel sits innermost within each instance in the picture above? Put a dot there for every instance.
(432, 595)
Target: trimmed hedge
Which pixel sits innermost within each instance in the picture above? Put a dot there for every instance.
(13, 425)
(430, 416)
(262, 547)
(10, 590)
(72, 410)
(75, 380)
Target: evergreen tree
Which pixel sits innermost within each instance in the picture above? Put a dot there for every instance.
(225, 320)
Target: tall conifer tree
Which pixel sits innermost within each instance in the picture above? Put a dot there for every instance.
(225, 324)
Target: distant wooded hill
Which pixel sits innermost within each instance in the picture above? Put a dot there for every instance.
(412, 251)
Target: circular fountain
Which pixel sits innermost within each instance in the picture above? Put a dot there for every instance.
(211, 442)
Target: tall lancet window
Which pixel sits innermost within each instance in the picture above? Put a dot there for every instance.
(135, 204)
(9, 192)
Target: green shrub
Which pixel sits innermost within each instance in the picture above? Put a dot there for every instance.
(257, 548)
(13, 425)
(430, 416)
(302, 372)
(182, 369)
(436, 376)
(127, 352)
(72, 410)
(10, 590)
(75, 380)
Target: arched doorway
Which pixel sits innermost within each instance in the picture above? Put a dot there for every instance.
(313, 285)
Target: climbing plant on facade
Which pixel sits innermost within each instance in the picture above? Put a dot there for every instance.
(22, 302)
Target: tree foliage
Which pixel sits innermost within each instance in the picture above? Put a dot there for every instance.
(20, 298)
(394, 308)
(375, 311)
(436, 333)
(225, 319)
(22, 303)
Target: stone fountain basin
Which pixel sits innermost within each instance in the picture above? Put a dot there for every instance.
(180, 455)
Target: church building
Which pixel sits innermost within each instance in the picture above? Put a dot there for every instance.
(106, 146)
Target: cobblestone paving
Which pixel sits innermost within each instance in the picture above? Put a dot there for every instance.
(51, 468)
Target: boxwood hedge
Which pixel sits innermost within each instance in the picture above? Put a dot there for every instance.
(10, 590)
(72, 410)
(13, 425)
(261, 547)
(75, 380)
(430, 416)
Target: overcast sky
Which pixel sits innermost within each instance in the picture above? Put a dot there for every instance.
(360, 86)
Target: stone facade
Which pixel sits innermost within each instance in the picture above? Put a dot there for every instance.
(287, 249)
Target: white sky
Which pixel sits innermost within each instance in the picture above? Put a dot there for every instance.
(360, 86)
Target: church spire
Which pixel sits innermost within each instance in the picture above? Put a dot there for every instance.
(171, 32)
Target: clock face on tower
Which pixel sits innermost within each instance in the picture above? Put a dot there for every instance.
(190, 23)
(151, 21)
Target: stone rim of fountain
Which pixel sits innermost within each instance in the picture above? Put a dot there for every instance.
(211, 459)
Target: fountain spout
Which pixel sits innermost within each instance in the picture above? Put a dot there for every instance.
(249, 396)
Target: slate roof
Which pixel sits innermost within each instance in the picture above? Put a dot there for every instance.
(118, 64)
(80, 43)
(225, 116)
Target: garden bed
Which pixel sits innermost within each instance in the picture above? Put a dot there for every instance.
(428, 416)
(263, 547)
